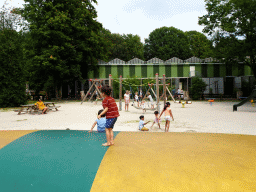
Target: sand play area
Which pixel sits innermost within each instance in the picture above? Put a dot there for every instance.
(41, 155)
(198, 117)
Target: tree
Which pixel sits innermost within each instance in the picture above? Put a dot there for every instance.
(12, 73)
(198, 87)
(199, 45)
(134, 47)
(167, 42)
(66, 41)
(124, 47)
(233, 20)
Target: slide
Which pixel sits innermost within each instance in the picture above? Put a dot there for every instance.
(252, 96)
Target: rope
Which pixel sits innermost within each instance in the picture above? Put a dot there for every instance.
(133, 85)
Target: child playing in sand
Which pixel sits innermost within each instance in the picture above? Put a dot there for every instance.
(111, 111)
(141, 124)
(143, 106)
(157, 119)
(101, 123)
(151, 101)
(168, 114)
(136, 98)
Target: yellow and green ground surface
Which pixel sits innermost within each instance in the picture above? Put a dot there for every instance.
(139, 161)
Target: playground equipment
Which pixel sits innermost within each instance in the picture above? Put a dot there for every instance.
(150, 88)
(251, 97)
(120, 96)
(211, 101)
(97, 84)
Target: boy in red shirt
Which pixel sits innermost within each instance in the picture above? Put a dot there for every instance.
(111, 111)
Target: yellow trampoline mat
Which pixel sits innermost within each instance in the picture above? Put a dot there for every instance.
(9, 136)
(180, 162)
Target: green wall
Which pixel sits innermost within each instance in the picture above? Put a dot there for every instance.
(114, 72)
(198, 69)
(162, 70)
(170, 70)
(138, 71)
(126, 71)
(150, 71)
(186, 70)
(174, 71)
(210, 70)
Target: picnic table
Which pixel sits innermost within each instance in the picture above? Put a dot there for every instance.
(51, 105)
(29, 108)
(33, 108)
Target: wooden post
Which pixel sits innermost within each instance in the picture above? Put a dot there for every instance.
(153, 92)
(110, 83)
(157, 93)
(88, 92)
(187, 90)
(170, 94)
(98, 91)
(109, 80)
(164, 88)
(120, 93)
(92, 95)
(147, 91)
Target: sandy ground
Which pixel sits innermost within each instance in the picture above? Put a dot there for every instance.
(195, 117)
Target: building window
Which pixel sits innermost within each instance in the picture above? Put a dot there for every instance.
(192, 71)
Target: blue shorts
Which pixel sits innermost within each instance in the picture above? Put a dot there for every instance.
(110, 123)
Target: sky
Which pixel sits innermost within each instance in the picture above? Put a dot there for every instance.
(141, 17)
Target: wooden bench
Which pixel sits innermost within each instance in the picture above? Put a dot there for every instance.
(29, 108)
(54, 107)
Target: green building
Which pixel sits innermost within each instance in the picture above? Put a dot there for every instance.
(220, 78)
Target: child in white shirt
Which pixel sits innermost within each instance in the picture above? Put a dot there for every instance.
(127, 100)
(141, 124)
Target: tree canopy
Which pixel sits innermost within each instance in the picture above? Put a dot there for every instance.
(233, 21)
(66, 40)
(199, 45)
(167, 42)
(12, 73)
(124, 47)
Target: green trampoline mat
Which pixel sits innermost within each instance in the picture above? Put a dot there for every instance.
(52, 161)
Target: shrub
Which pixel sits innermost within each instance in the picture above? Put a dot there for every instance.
(198, 87)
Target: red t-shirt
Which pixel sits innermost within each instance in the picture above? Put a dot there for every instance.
(112, 107)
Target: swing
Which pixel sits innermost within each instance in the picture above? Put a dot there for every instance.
(150, 87)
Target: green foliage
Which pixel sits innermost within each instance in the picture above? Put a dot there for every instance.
(246, 88)
(199, 45)
(228, 47)
(198, 87)
(65, 39)
(12, 73)
(229, 22)
(167, 42)
(124, 47)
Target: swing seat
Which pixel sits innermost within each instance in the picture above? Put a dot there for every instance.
(145, 108)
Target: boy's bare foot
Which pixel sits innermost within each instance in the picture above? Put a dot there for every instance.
(106, 144)
(112, 143)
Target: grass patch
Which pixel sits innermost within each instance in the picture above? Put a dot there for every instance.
(22, 120)
(8, 109)
(132, 121)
